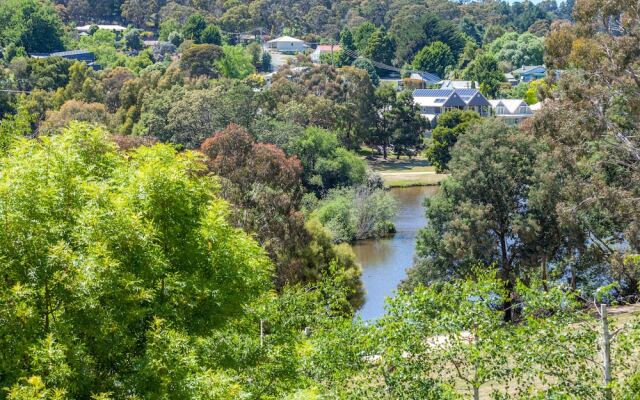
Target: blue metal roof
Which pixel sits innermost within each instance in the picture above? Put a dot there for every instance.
(69, 53)
(428, 76)
(432, 92)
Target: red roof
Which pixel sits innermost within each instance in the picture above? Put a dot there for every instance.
(327, 47)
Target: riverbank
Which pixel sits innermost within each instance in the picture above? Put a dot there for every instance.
(405, 172)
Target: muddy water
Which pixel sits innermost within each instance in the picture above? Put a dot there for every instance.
(384, 261)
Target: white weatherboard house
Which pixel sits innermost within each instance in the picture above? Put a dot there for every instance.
(433, 102)
(513, 111)
(287, 44)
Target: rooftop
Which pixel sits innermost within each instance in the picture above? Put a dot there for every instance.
(285, 39)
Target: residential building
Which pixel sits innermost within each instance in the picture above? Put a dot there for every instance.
(426, 77)
(513, 111)
(511, 79)
(112, 28)
(529, 73)
(324, 49)
(457, 84)
(287, 44)
(433, 102)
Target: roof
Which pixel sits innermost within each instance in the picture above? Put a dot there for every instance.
(511, 105)
(456, 84)
(286, 39)
(327, 47)
(527, 69)
(438, 98)
(536, 107)
(425, 76)
(63, 54)
(86, 28)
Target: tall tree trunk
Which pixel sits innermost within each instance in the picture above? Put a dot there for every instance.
(506, 277)
(544, 273)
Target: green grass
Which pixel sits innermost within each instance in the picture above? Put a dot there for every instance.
(405, 172)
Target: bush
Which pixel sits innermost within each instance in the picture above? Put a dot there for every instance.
(357, 213)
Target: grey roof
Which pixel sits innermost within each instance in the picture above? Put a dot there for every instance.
(527, 68)
(477, 99)
(69, 53)
(432, 92)
(455, 97)
(428, 76)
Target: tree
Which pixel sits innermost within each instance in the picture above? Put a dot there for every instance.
(31, 24)
(380, 47)
(362, 34)
(194, 27)
(140, 12)
(451, 125)
(325, 163)
(144, 236)
(74, 110)
(132, 39)
(347, 46)
(365, 64)
(436, 58)
(484, 70)
(211, 35)
(408, 126)
(484, 204)
(202, 59)
(235, 63)
(357, 105)
(518, 50)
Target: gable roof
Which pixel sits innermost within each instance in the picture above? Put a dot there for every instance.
(458, 84)
(286, 39)
(511, 105)
(438, 98)
(455, 97)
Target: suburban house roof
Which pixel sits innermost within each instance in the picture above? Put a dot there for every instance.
(438, 98)
(456, 84)
(285, 39)
(453, 97)
(118, 28)
(425, 76)
(512, 106)
(63, 54)
(529, 69)
(536, 107)
(327, 48)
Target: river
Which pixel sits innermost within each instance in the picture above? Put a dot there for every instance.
(384, 261)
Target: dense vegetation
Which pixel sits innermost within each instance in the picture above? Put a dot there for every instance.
(176, 223)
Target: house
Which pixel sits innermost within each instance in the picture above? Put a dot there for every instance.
(508, 77)
(112, 28)
(513, 111)
(529, 73)
(456, 84)
(433, 102)
(324, 49)
(287, 44)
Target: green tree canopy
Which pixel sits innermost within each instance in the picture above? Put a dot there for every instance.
(434, 58)
(31, 24)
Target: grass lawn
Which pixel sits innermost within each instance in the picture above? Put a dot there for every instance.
(406, 172)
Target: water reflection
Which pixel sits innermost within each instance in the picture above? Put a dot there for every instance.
(384, 261)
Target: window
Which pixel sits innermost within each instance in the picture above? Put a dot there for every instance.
(501, 110)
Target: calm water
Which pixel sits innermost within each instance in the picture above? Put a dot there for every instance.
(384, 261)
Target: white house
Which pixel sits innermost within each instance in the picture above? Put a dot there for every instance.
(433, 102)
(112, 28)
(287, 44)
(513, 111)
